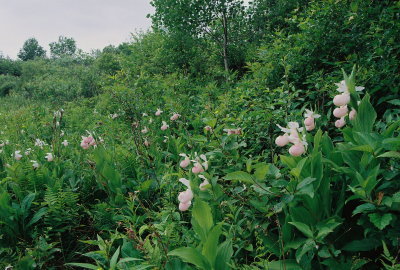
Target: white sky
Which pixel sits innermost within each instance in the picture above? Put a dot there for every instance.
(94, 24)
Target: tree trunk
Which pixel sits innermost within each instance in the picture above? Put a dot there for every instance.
(225, 43)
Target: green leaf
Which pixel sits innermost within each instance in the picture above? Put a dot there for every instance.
(304, 228)
(261, 171)
(391, 154)
(305, 182)
(114, 258)
(191, 255)
(300, 252)
(38, 215)
(361, 245)
(288, 161)
(27, 201)
(364, 208)
(240, 176)
(283, 264)
(85, 265)
(203, 216)
(380, 221)
(210, 247)
(224, 255)
(366, 116)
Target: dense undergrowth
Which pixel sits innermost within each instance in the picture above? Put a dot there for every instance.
(151, 156)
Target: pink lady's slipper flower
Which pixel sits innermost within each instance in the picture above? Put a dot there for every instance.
(113, 115)
(340, 123)
(164, 125)
(184, 163)
(87, 142)
(185, 197)
(184, 206)
(200, 164)
(35, 164)
(175, 116)
(197, 168)
(282, 140)
(65, 143)
(342, 87)
(204, 183)
(352, 114)
(146, 143)
(49, 157)
(145, 130)
(309, 122)
(297, 149)
(342, 99)
(236, 131)
(341, 111)
(17, 155)
(208, 128)
(158, 112)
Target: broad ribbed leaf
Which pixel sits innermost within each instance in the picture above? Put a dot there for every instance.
(191, 255)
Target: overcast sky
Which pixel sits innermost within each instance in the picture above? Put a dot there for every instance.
(94, 24)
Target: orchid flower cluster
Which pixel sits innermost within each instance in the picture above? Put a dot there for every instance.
(341, 101)
(294, 134)
(164, 125)
(200, 164)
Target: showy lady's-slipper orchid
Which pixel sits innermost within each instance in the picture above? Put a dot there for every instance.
(145, 130)
(352, 114)
(184, 163)
(158, 112)
(175, 116)
(282, 140)
(17, 155)
(340, 123)
(204, 183)
(49, 157)
(309, 122)
(200, 164)
(185, 197)
(341, 111)
(164, 125)
(87, 142)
